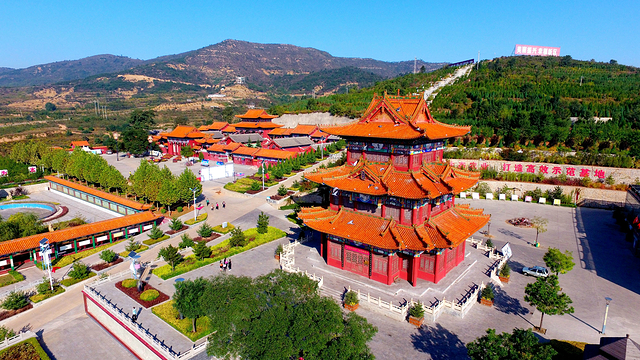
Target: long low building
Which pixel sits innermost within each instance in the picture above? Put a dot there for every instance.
(14, 253)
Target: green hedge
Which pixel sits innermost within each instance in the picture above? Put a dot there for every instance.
(221, 230)
(11, 278)
(129, 283)
(39, 297)
(170, 315)
(152, 241)
(200, 218)
(70, 281)
(8, 353)
(149, 295)
(165, 272)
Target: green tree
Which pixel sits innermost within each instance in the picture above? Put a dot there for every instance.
(171, 255)
(143, 119)
(187, 299)
(545, 296)
(237, 237)
(519, 345)
(175, 224)
(15, 300)
(285, 311)
(540, 224)
(185, 242)
(6, 333)
(201, 250)
(50, 107)
(205, 230)
(132, 245)
(155, 232)
(108, 256)
(168, 194)
(263, 223)
(187, 151)
(184, 183)
(135, 140)
(79, 271)
(558, 262)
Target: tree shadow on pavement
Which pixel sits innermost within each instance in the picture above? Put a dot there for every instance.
(510, 234)
(507, 304)
(438, 342)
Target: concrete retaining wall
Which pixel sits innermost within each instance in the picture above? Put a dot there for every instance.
(120, 331)
(585, 193)
(292, 120)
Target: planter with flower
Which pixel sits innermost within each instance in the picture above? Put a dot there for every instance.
(351, 301)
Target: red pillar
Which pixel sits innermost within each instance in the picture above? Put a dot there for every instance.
(429, 210)
(390, 259)
(322, 245)
(414, 270)
(383, 212)
(436, 269)
(414, 216)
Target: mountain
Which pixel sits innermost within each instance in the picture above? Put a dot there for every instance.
(66, 70)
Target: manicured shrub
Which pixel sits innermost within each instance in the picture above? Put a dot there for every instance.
(205, 230)
(44, 287)
(255, 186)
(237, 237)
(108, 256)
(505, 271)
(186, 242)
(149, 295)
(155, 233)
(179, 209)
(416, 310)
(351, 298)
(263, 223)
(15, 300)
(487, 293)
(79, 271)
(489, 243)
(282, 191)
(176, 224)
(163, 211)
(129, 283)
(201, 250)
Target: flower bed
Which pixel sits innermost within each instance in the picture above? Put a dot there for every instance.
(141, 249)
(171, 232)
(170, 315)
(200, 218)
(219, 252)
(71, 281)
(207, 239)
(29, 349)
(9, 313)
(135, 295)
(155, 241)
(104, 265)
(40, 297)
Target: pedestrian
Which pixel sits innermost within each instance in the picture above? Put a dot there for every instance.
(225, 264)
(229, 264)
(134, 314)
(217, 206)
(207, 202)
(224, 204)
(211, 207)
(221, 265)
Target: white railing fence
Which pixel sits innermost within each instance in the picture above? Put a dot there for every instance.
(16, 339)
(287, 260)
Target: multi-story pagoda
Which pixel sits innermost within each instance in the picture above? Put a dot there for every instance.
(392, 211)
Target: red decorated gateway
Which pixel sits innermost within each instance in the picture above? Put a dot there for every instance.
(392, 213)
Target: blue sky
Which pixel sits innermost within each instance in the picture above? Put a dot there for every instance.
(37, 32)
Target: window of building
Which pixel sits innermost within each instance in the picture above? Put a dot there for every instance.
(335, 251)
(380, 264)
(401, 160)
(427, 264)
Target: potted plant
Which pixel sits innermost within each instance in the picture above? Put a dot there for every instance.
(351, 301)
(505, 273)
(416, 314)
(487, 296)
(279, 251)
(489, 243)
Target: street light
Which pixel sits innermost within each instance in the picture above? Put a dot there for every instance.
(606, 312)
(45, 251)
(195, 217)
(489, 229)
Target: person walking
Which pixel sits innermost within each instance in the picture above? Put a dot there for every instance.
(134, 314)
(221, 265)
(207, 202)
(217, 206)
(225, 264)
(224, 204)
(229, 264)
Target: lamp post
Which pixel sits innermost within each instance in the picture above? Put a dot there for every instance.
(45, 251)
(606, 312)
(263, 175)
(117, 145)
(489, 229)
(195, 217)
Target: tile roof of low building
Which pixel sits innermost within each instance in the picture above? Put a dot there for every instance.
(101, 194)
(245, 138)
(396, 117)
(216, 126)
(274, 154)
(80, 143)
(257, 125)
(229, 129)
(256, 114)
(32, 242)
(304, 129)
(280, 132)
(245, 150)
(232, 146)
(181, 131)
(431, 181)
(445, 230)
(319, 133)
(196, 135)
(217, 148)
(293, 142)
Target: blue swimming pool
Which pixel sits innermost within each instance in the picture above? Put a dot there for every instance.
(27, 206)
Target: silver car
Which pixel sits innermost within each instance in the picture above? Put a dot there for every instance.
(537, 271)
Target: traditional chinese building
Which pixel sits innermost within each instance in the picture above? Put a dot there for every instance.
(392, 213)
(183, 135)
(256, 121)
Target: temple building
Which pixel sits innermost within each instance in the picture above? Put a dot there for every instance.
(256, 121)
(391, 210)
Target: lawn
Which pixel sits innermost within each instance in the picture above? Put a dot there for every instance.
(11, 278)
(219, 252)
(200, 218)
(568, 350)
(39, 297)
(155, 241)
(29, 349)
(169, 314)
(221, 230)
(67, 260)
(70, 281)
(125, 253)
(244, 184)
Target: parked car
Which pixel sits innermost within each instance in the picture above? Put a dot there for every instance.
(109, 152)
(537, 271)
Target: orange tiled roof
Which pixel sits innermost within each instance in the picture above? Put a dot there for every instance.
(245, 150)
(445, 230)
(431, 181)
(319, 133)
(79, 143)
(396, 117)
(280, 132)
(156, 137)
(181, 131)
(275, 154)
(104, 195)
(231, 146)
(256, 114)
(304, 129)
(229, 129)
(32, 242)
(219, 148)
(216, 126)
(257, 125)
(196, 135)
